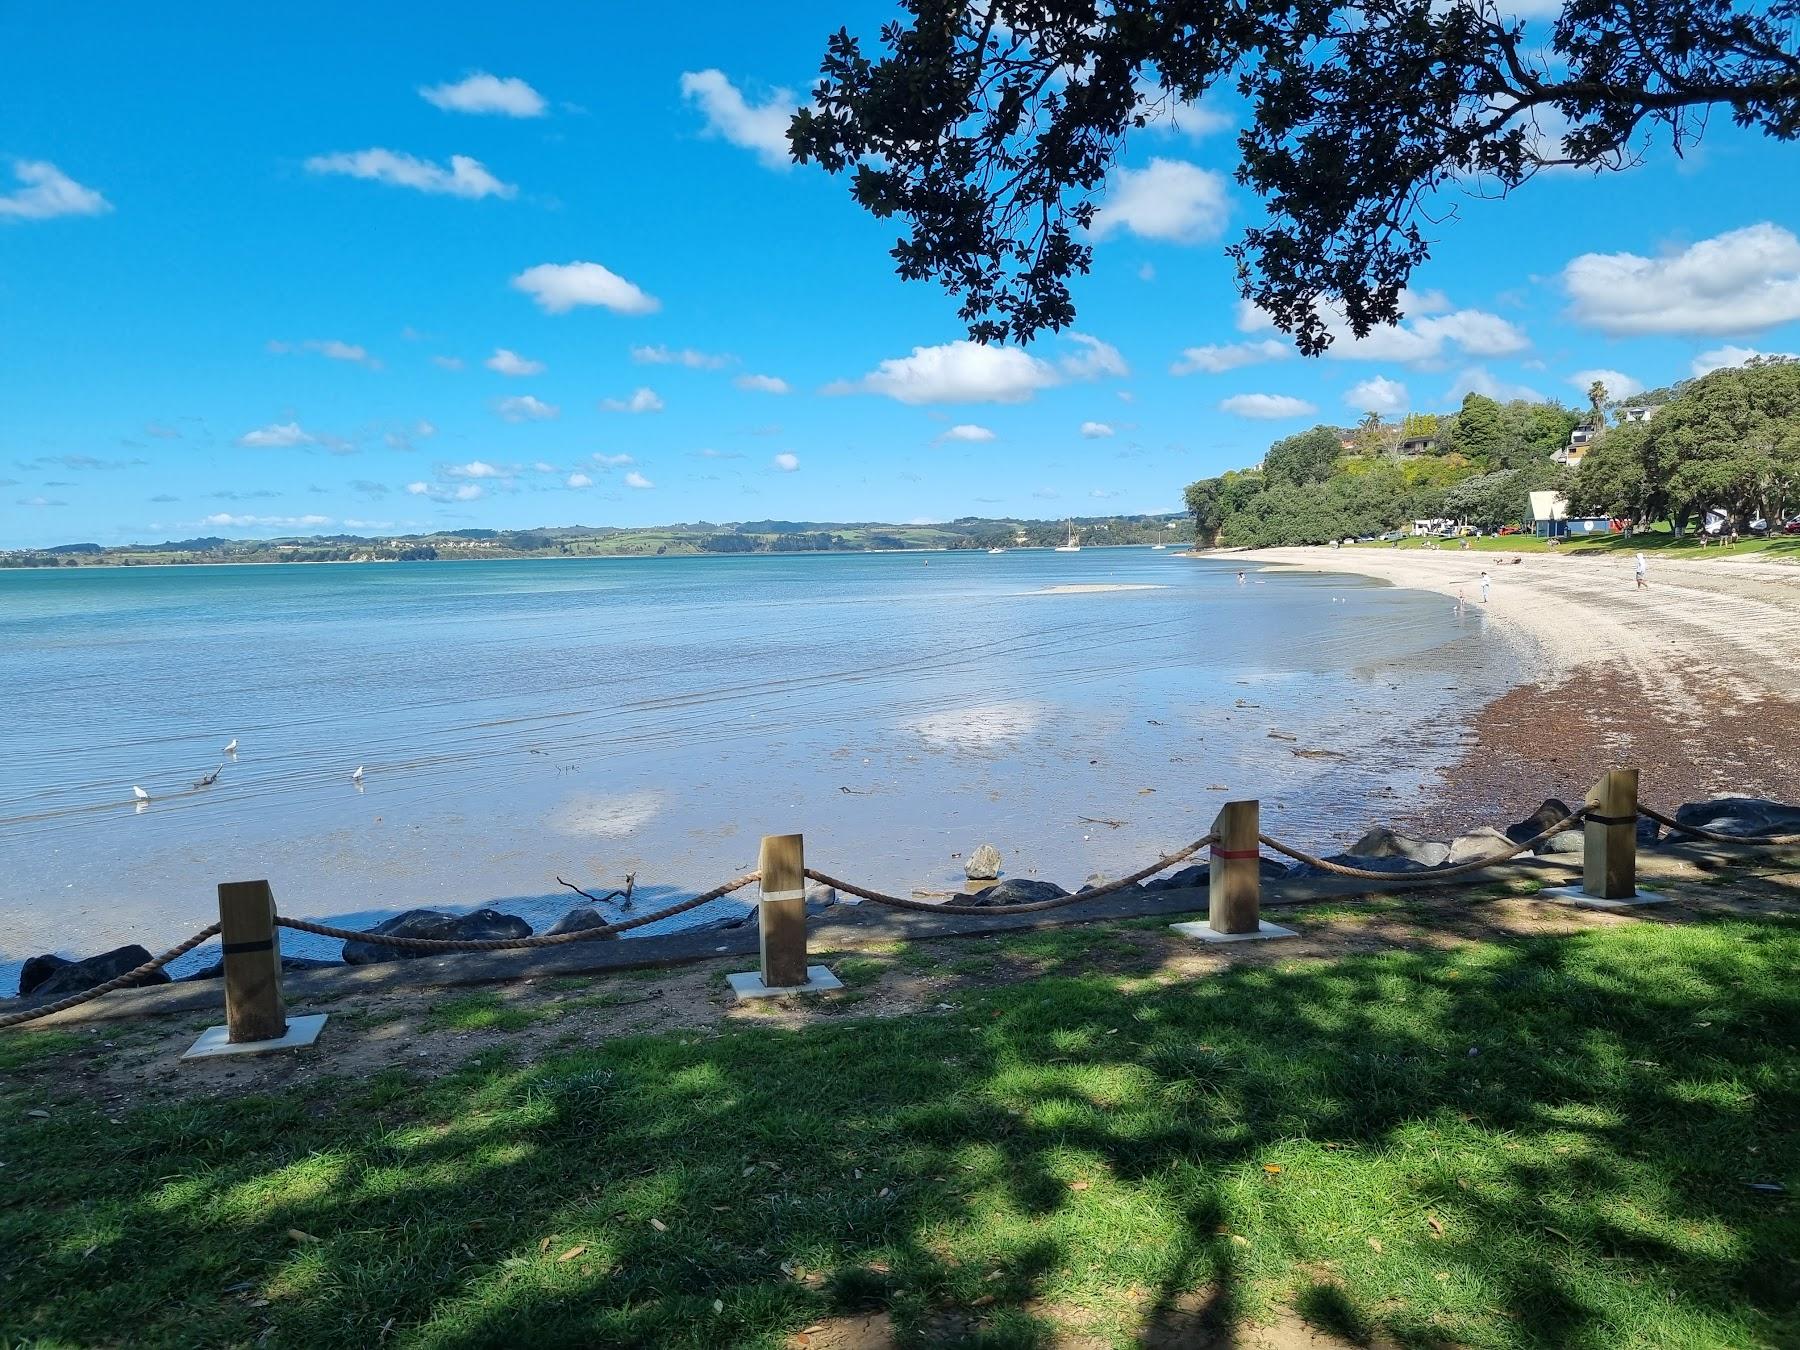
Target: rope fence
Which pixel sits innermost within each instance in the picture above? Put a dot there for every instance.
(252, 964)
(1439, 872)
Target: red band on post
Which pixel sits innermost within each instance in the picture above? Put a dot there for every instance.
(1233, 853)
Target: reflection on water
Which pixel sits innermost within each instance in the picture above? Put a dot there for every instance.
(517, 720)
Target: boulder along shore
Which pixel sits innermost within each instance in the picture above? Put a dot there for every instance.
(1694, 680)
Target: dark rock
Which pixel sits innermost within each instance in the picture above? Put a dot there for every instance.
(1538, 821)
(1018, 891)
(1391, 864)
(37, 969)
(983, 864)
(1195, 874)
(820, 898)
(289, 964)
(1648, 831)
(1381, 842)
(1564, 843)
(1741, 817)
(579, 919)
(72, 977)
(1098, 879)
(1484, 842)
(482, 925)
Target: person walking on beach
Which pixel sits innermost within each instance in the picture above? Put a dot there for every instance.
(1640, 570)
(1486, 581)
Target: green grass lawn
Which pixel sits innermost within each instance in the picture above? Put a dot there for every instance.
(1542, 1142)
(1659, 542)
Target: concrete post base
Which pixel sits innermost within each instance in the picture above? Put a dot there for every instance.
(300, 1031)
(1574, 895)
(750, 984)
(1207, 933)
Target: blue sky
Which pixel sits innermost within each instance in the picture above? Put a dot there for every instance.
(316, 270)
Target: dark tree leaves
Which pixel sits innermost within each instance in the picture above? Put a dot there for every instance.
(989, 128)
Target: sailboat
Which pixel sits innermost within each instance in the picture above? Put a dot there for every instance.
(996, 550)
(1074, 544)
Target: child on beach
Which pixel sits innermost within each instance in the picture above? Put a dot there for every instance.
(1486, 581)
(1639, 569)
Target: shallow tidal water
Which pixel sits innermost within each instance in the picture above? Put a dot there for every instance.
(523, 720)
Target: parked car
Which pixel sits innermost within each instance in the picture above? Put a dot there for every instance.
(1510, 529)
(1792, 527)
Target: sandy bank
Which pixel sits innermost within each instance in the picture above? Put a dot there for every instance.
(1098, 588)
(1695, 680)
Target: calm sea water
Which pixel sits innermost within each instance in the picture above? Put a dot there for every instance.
(520, 721)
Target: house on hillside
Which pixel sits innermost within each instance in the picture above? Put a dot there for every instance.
(1640, 413)
(1417, 445)
(1581, 440)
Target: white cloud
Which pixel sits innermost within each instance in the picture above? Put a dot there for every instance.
(787, 461)
(424, 430)
(967, 431)
(1721, 357)
(475, 468)
(1266, 406)
(561, 287)
(1618, 384)
(1479, 380)
(634, 479)
(283, 521)
(761, 127)
(48, 192)
(484, 93)
(579, 480)
(1741, 281)
(1094, 431)
(526, 408)
(1146, 271)
(613, 461)
(1377, 394)
(971, 372)
(275, 436)
(1096, 358)
(641, 401)
(331, 348)
(684, 356)
(1423, 342)
(463, 492)
(511, 363)
(448, 362)
(1189, 119)
(1170, 199)
(1217, 358)
(763, 384)
(464, 178)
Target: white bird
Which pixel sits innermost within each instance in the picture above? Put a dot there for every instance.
(357, 776)
(139, 793)
(232, 748)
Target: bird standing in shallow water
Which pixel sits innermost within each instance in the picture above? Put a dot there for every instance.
(139, 793)
(357, 776)
(232, 748)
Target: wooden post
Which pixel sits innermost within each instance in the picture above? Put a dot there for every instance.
(1234, 898)
(1609, 841)
(781, 917)
(254, 1010)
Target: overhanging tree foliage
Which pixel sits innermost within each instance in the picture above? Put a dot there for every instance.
(989, 125)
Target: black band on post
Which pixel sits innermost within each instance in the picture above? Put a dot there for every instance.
(245, 948)
(1612, 820)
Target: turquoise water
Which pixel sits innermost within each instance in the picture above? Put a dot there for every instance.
(518, 721)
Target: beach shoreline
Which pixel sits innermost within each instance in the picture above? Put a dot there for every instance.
(1691, 680)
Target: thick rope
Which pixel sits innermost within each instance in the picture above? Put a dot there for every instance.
(1715, 836)
(130, 977)
(1459, 869)
(407, 944)
(902, 902)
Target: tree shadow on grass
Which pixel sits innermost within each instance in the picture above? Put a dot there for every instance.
(1545, 1142)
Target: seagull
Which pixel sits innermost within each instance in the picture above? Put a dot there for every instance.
(232, 748)
(357, 776)
(139, 793)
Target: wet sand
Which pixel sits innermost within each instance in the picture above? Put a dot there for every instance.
(1694, 680)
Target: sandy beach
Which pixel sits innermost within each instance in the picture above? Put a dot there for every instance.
(1695, 680)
